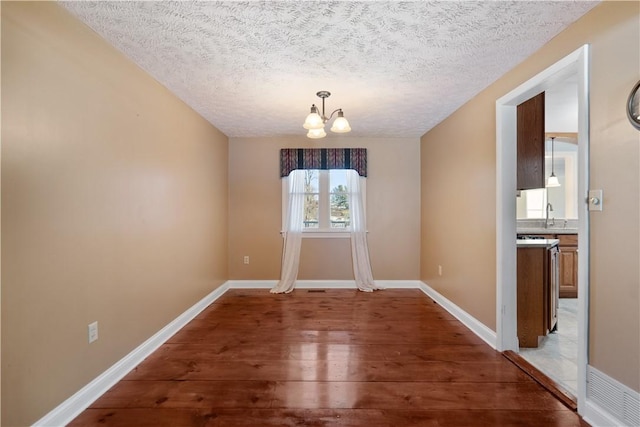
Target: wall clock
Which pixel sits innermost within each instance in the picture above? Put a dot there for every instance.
(633, 106)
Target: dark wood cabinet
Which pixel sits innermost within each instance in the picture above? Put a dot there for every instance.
(567, 263)
(530, 135)
(568, 260)
(537, 294)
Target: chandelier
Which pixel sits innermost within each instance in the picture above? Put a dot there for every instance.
(315, 121)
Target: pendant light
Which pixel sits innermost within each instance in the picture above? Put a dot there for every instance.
(552, 181)
(315, 121)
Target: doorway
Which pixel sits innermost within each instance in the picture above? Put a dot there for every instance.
(556, 355)
(575, 64)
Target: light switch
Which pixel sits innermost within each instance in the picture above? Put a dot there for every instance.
(595, 200)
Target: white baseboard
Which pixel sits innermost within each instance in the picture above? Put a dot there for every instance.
(325, 284)
(596, 416)
(478, 328)
(300, 284)
(322, 284)
(609, 402)
(64, 413)
(251, 284)
(399, 284)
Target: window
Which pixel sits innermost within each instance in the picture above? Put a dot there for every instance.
(326, 202)
(532, 203)
(339, 216)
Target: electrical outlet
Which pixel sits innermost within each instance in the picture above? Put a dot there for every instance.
(246, 259)
(93, 332)
(439, 270)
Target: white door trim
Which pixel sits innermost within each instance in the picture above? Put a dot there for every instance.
(506, 317)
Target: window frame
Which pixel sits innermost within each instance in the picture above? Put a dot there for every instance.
(324, 229)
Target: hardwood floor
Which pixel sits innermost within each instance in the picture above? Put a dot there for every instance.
(331, 358)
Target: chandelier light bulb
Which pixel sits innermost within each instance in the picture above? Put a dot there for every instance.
(316, 133)
(313, 120)
(340, 124)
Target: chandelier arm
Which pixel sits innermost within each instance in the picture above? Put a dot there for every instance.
(334, 111)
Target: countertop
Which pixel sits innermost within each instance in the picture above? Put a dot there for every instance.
(537, 243)
(550, 230)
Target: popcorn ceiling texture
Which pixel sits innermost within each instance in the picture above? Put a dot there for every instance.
(395, 68)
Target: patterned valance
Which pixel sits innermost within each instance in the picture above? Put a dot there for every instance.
(323, 158)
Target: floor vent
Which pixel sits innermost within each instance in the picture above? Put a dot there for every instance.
(316, 290)
(621, 401)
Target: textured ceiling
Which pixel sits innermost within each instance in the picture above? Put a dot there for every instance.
(395, 68)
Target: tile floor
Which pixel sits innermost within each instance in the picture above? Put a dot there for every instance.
(558, 354)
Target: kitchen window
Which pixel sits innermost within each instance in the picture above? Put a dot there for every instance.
(532, 203)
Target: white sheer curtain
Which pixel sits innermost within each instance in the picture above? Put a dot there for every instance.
(359, 246)
(292, 234)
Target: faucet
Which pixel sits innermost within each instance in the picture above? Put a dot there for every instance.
(546, 219)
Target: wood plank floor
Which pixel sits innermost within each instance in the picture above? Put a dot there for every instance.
(331, 358)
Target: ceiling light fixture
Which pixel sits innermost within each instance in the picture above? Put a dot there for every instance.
(552, 181)
(315, 121)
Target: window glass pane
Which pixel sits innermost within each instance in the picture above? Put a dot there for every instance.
(535, 201)
(339, 210)
(311, 202)
(311, 181)
(339, 202)
(338, 179)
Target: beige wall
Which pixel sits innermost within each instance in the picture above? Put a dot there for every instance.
(393, 213)
(114, 207)
(458, 214)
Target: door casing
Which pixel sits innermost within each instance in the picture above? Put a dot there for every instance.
(506, 162)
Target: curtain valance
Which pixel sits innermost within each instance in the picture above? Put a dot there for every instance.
(323, 158)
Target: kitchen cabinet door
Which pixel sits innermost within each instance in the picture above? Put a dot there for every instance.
(537, 294)
(533, 295)
(568, 272)
(530, 131)
(568, 261)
